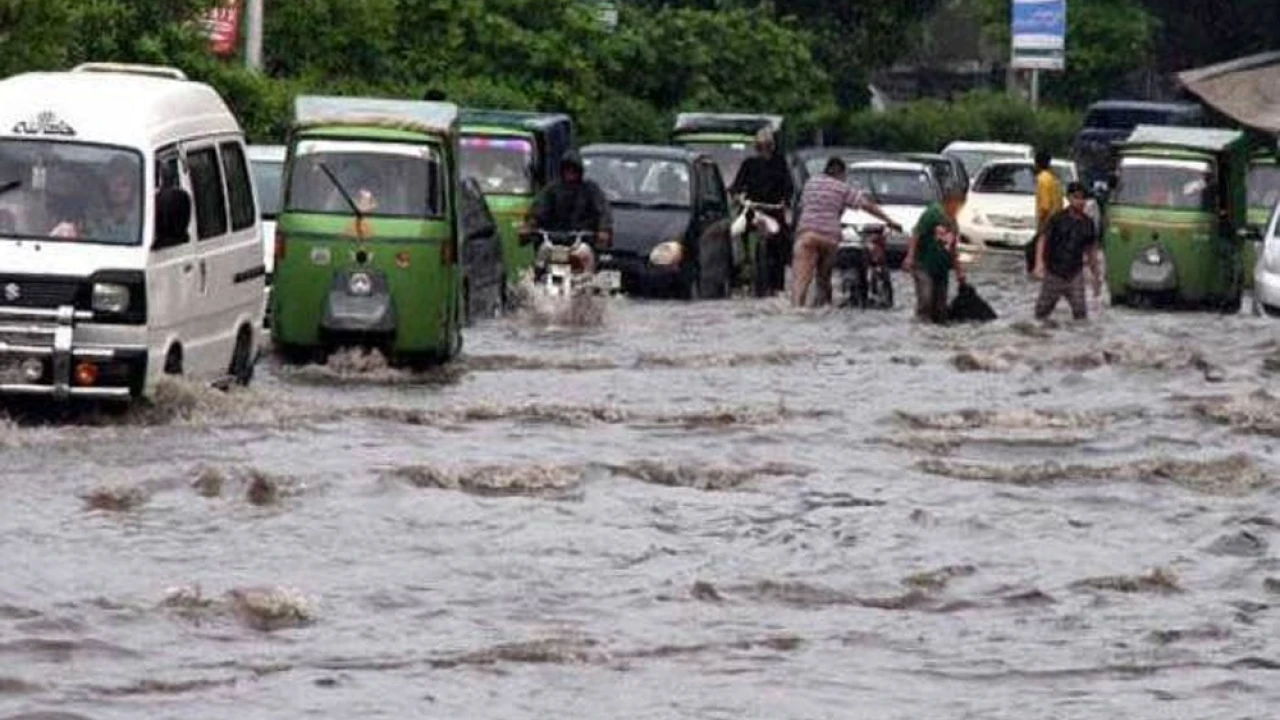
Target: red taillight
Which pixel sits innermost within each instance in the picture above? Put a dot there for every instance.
(402, 260)
(279, 245)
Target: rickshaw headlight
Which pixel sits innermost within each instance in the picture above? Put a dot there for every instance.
(360, 284)
(667, 253)
(1153, 256)
(110, 298)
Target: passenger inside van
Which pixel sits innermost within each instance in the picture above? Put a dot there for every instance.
(109, 211)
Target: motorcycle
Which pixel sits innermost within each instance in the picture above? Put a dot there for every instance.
(763, 260)
(565, 266)
(862, 262)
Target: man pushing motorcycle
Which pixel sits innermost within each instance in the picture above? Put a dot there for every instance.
(573, 204)
(765, 180)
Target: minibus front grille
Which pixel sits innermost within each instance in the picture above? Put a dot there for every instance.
(27, 292)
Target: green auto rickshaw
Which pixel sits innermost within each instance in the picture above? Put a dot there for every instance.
(1264, 195)
(367, 241)
(513, 156)
(727, 137)
(1176, 225)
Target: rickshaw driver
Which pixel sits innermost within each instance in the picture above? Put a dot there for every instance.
(571, 204)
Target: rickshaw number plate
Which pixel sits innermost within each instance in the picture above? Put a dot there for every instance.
(609, 279)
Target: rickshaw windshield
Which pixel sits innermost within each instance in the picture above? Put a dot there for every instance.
(894, 187)
(502, 166)
(646, 182)
(727, 157)
(1264, 186)
(1172, 184)
(70, 192)
(383, 179)
(267, 175)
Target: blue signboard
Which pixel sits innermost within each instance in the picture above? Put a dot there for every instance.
(1039, 31)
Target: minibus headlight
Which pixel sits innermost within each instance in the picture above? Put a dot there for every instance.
(110, 298)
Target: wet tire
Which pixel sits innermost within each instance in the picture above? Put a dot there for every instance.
(173, 361)
(242, 360)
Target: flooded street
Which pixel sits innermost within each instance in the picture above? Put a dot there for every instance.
(717, 510)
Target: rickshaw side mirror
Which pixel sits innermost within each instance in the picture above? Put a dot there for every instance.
(1250, 233)
(173, 218)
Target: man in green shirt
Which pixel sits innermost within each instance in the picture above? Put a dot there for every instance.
(931, 256)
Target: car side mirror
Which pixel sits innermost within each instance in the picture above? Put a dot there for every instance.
(173, 218)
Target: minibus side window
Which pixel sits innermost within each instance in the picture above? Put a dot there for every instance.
(210, 200)
(243, 213)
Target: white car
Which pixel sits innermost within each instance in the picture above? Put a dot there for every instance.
(130, 241)
(902, 189)
(1001, 208)
(974, 155)
(267, 162)
(1266, 276)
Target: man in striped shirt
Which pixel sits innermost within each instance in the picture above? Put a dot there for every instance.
(822, 204)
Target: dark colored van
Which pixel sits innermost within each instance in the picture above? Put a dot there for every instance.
(1111, 121)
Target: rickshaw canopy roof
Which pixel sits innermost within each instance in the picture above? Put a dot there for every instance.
(1210, 140)
(413, 115)
(727, 123)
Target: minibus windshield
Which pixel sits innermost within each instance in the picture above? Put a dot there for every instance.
(70, 192)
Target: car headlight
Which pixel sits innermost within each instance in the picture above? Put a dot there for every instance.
(667, 253)
(110, 298)
(360, 284)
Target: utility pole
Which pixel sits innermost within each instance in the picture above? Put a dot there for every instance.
(1035, 88)
(253, 42)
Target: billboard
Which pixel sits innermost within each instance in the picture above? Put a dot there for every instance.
(1039, 31)
(222, 24)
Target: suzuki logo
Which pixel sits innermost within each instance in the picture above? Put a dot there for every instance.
(12, 292)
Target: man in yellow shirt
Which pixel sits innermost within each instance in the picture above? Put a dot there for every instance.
(1049, 200)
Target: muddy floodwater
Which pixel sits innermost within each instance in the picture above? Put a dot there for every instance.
(717, 510)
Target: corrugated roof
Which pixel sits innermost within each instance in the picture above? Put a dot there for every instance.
(1246, 90)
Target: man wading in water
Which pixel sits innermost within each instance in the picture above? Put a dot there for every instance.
(1069, 241)
(932, 255)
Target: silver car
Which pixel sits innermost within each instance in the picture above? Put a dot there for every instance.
(1266, 276)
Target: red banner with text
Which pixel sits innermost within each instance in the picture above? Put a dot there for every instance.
(223, 27)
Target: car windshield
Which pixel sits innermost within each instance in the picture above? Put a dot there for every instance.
(1006, 180)
(267, 176)
(973, 160)
(1264, 186)
(728, 157)
(502, 166)
(649, 182)
(894, 187)
(70, 191)
(1178, 185)
(383, 179)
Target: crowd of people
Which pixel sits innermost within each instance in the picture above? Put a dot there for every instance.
(1066, 244)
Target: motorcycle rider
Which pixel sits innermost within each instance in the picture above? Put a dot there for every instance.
(765, 178)
(571, 204)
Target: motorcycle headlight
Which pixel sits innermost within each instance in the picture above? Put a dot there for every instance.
(110, 298)
(360, 284)
(667, 253)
